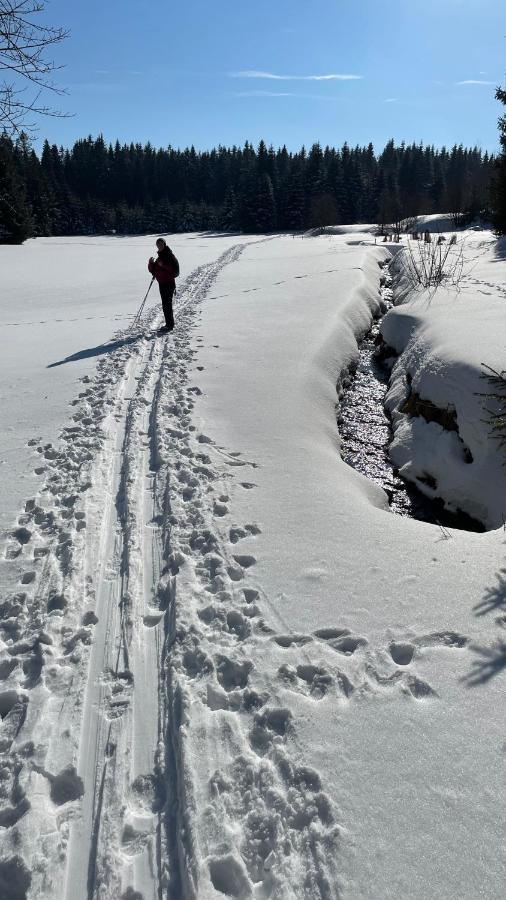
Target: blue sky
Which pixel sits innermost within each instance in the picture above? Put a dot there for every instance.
(202, 73)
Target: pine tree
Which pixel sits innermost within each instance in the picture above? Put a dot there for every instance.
(16, 223)
(229, 214)
(292, 213)
(498, 191)
(265, 206)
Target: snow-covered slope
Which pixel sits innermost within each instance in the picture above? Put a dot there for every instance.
(228, 669)
(444, 340)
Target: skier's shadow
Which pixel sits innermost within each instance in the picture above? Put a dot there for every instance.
(99, 350)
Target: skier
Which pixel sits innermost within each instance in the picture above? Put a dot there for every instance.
(165, 269)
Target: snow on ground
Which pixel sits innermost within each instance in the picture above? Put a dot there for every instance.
(64, 298)
(444, 341)
(228, 669)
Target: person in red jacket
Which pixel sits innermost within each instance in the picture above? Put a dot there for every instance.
(165, 268)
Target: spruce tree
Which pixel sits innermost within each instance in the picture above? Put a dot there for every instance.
(498, 191)
(265, 206)
(16, 222)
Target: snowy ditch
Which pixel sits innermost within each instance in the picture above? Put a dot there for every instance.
(366, 431)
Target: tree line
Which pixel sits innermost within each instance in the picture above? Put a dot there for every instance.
(96, 187)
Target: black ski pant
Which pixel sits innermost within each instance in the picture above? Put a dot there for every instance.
(167, 293)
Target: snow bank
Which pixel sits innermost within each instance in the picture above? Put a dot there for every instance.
(443, 340)
(341, 229)
(436, 222)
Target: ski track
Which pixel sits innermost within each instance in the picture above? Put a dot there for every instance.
(148, 683)
(83, 699)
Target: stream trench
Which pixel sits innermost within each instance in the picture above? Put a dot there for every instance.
(366, 432)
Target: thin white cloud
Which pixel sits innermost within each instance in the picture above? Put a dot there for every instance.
(320, 98)
(391, 100)
(475, 81)
(252, 73)
(265, 94)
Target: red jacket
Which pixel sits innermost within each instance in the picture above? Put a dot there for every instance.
(163, 272)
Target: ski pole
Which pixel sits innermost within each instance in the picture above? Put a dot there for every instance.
(141, 308)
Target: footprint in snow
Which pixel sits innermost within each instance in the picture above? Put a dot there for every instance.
(196, 663)
(22, 535)
(13, 552)
(229, 876)
(347, 644)
(147, 794)
(238, 624)
(450, 639)
(401, 652)
(211, 614)
(133, 842)
(28, 577)
(408, 683)
(419, 689)
(252, 611)
(307, 679)
(237, 533)
(245, 560)
(66, 786)
(57, 602)
(289, 640)
(272, 723)
(232, 674)
(235, 573)
(341, 639)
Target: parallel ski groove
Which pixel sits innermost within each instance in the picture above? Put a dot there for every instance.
(131, 557)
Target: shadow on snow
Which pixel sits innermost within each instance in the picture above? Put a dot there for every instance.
(99, 350)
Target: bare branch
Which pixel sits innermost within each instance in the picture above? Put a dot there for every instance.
(23, 46)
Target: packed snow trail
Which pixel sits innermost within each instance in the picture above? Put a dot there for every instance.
(124, 719)
(102, 540)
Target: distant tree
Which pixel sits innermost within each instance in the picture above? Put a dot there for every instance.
(498, 191)
(265, 205)
(16, 222)
(293, 200)
(23, 47)
(229, 213)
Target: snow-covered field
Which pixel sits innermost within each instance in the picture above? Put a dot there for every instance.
(227, 669)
